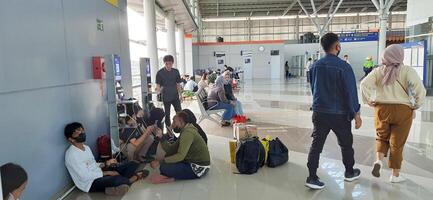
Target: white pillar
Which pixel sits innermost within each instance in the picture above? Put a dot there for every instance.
(171, 35)
(150, 22)
(383, 21)
(181, 58)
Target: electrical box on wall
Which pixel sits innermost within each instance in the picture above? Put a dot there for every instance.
(98, 65)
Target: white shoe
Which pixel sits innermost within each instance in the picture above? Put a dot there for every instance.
(377, 166)
(396, 179)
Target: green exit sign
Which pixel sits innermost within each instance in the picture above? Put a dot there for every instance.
(100, 24)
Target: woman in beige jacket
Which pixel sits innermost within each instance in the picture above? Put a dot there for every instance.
(395, 91)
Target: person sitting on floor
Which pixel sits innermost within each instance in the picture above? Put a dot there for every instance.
(87, 175)
(230, 95)
(140, 142)
(13, 181)
(217, 100)
(187, 158)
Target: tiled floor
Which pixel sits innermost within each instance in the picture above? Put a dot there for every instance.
(281, 109)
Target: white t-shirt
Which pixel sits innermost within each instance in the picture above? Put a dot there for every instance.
(82, 167)
(189, 86)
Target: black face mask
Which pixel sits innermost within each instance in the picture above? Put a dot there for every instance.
(338, 53)
(81, 138)
(177, 130)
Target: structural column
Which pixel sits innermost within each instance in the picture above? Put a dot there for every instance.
(151, 45)
(383, 21)
(181, 58)
(171, 35)
(382, 7)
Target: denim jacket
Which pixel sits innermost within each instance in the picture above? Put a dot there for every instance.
(333, 86)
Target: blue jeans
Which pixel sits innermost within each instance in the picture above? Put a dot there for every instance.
(229, 110)
(178, 171)
(238, 108)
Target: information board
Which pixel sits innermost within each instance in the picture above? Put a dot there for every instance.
(414, 56)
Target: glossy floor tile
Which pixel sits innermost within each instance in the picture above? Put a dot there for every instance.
(281, 109)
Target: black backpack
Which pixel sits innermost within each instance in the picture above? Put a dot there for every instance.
(250, 156)
(278, 153)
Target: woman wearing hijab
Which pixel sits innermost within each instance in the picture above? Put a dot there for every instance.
(395, 91)
(217, 100)
(229, 93)
(13, 181)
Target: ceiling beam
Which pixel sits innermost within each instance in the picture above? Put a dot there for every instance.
(314, 8)
(289, 8)
(323, 5)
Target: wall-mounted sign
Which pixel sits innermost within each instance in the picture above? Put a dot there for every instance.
(99, 24)
(359, 37)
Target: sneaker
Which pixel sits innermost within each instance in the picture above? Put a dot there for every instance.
(377, 166)
(117, 191)
(396, 179)
(353, 176)
(314, 183)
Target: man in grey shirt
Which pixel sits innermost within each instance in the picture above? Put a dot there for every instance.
(168, 84)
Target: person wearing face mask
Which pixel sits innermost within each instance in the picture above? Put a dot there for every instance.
(187, 158)
(13, 181)
(88, 175)
(335, 105)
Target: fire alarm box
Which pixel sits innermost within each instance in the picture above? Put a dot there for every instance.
(98, 66)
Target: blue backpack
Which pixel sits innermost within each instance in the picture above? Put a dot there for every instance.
(250, 156)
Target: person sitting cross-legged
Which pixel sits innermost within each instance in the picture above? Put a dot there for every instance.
(187, 158)
(88, 175)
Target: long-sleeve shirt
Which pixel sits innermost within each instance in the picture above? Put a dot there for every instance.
(216, 94)
(82, 167)
(373, 90)
(333, 86)
(190, 147)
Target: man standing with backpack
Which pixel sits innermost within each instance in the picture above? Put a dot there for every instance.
(335, 105)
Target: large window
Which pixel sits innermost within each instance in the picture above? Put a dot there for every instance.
(286, 29)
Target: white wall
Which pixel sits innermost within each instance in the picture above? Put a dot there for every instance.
(357, 52)
(418, 11)
(260, 60)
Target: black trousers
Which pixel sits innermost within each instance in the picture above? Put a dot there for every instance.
(167, 107)
(126, 171)
(342, 127)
